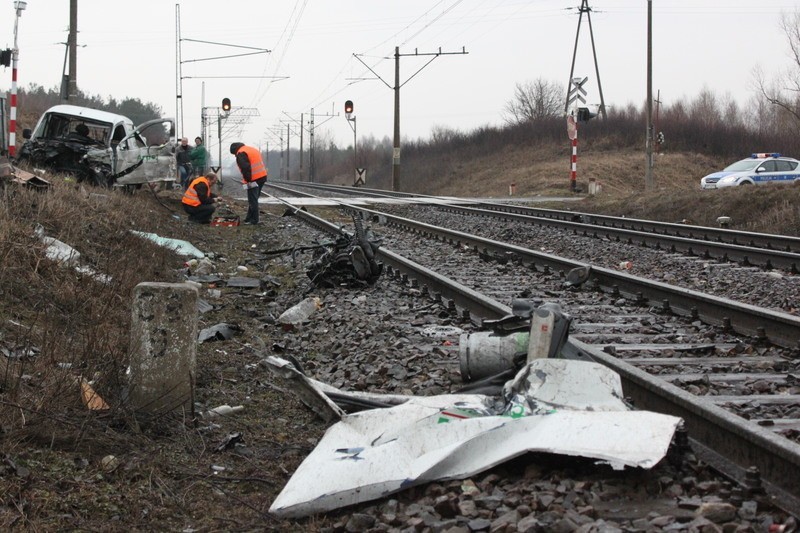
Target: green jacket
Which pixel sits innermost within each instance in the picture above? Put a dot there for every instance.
(198, 157)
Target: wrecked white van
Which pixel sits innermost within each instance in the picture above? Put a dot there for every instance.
(102, 148)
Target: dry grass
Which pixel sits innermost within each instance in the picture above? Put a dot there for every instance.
(76, 324)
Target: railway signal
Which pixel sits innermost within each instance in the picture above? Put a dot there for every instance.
(584, 115)
(226, 104)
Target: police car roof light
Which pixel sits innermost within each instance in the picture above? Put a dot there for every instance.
(764, 155)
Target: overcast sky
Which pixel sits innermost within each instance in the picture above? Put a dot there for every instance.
(129, 49)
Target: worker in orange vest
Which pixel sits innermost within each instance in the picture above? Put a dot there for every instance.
(198, 200)
(254, 176)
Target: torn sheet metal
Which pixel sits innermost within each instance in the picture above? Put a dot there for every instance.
(374, 453)
(309, 394)
(181, 247)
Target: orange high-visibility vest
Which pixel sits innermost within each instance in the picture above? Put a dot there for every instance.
(190, 196)
(257, 168)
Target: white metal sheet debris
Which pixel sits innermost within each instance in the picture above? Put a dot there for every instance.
(65, 254)
(373, 453)
(181, 247)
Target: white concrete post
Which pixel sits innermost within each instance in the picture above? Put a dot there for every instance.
(163, 347)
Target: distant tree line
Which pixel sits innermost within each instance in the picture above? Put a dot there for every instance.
(34, 100)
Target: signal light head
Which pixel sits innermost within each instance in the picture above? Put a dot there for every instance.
(226, 104)
(348, 107)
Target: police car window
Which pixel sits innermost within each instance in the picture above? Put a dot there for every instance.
(767, 166)
(784, 166)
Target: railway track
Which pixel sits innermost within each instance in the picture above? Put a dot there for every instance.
(746, 248)
(714, 362)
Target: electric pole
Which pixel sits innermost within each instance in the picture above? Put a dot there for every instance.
(581, 10)
(72, 91)
(396, 89)
(649, 185)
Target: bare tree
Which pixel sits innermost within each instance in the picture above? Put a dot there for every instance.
(704, 109)
(785, 94)
(534, 100)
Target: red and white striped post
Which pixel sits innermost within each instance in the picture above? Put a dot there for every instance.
(12, 124)
(572, 132)
(573, 176)
(19, 7)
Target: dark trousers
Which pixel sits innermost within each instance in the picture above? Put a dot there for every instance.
(253, 195)
(200, 214)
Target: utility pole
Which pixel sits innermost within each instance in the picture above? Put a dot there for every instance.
(300, 177)
(288, 164)
(72, 92)
(312, 165)
(581, 10)
(649, 184)
(396, 89)
(396, 144)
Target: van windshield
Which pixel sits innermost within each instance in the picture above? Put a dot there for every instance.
(56, 126)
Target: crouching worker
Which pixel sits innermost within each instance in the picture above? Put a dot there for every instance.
(198, 200)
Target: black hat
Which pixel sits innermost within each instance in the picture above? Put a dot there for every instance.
(235, 147)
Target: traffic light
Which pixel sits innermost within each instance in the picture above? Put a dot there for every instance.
(5, 57)
(226, 104)
(584, 115)
(348, 107)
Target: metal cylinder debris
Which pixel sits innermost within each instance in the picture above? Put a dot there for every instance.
(486, 353)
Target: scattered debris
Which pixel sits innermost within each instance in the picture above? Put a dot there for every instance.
(181, 247)
(349, 261)
(299, 312)
(203, 306)
(243, 282)
(91, 399)
(19, 352)
(534, 331)
(578, 276)
(12, 174)
(222, 410)
(231, 441)
(109, 463)
(219, 332)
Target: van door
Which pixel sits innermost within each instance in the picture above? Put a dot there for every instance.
(147, 154)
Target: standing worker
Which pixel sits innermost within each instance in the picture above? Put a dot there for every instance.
(198, 200)
(184, 163)
(254, 176)
(198, 157)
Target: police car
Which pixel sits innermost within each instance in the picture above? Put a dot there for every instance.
(756, 170)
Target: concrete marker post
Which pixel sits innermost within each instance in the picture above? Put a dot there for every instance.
(163, 348)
